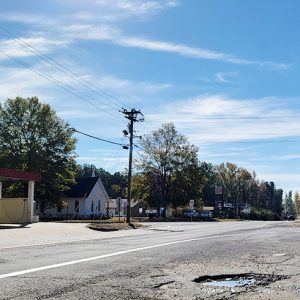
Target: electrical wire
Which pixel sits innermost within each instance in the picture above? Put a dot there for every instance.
(97, 138)
(55, 81)
(64, 69)
(71, 74)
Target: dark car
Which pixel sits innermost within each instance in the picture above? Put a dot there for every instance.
(206, 214)
(191, 213)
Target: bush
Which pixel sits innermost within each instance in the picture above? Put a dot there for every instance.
(261, 214)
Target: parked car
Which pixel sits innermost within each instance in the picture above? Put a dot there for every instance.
(206, 214)
(191, 213)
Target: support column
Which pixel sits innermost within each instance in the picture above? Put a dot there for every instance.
(0, 189)
(30, 201)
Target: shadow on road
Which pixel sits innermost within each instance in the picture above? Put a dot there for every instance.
(14, 226)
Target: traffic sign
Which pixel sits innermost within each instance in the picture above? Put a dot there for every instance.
(192, 203)
(218, 190)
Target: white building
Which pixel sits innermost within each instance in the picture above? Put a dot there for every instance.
(112, 207)
(85, 199)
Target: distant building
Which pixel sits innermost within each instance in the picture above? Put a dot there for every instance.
(138, 209)
(86, 198)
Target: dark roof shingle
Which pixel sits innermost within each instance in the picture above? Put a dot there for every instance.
(82, 188)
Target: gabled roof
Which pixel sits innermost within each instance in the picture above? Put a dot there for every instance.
(82, 188)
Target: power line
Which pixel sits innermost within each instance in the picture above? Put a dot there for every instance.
(87, 84)
(55, 81)
(100, 139)
(64, 69)
(69, 73)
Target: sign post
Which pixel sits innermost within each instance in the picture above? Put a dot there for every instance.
(119, 200)
(192, 204)
(218, 197)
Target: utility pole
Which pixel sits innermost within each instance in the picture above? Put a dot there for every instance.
(132, 115)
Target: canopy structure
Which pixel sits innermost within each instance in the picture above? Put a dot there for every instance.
(19, 175)
(18, 210)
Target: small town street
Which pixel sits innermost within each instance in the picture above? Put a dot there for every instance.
(160, 261)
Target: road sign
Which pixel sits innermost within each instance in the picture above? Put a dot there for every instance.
(218, 205)
(151, 211)
(218, 190)
(192, 203)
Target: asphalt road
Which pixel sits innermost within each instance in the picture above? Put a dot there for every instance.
(158, 262)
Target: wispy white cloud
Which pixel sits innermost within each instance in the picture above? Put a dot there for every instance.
(180, 49)
(283, 177)
(137, 7)
(41, 43)
(113, 34)
(226, 77)
(86, 25)
(286, 157)
(214, 119)
(111, 11)
(18, 81)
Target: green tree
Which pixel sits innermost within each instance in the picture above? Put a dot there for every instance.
(277, 205)
(33, 138)
(168, 169)
(240, 187)
(297, 202)
(115, 184)
(211, 180)
(289, 205)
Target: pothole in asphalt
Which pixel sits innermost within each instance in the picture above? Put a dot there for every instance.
(239, 280)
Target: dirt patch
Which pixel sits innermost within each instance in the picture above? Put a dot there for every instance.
(109, 226)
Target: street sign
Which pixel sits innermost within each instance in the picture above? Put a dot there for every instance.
(192, 203)
(218, 205)
(151, 211)
(218, 190)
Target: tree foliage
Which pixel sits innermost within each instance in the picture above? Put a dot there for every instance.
(115, 184)
(170, 174)
(241, 188)
(168, 171)
(297, 203)
(289, 208)
(33, 138)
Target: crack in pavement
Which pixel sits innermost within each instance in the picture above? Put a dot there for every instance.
(163, 283)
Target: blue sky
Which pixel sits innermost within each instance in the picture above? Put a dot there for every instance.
(225, 72)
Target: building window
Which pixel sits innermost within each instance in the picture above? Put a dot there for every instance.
(98, 205)
(59, 209)
(92, 207)
(77, 206)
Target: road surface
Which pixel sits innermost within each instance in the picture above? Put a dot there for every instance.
(158, 262)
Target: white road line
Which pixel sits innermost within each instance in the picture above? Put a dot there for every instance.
(84, 239)
(98, 238)
(18, 273)
(70, 241)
